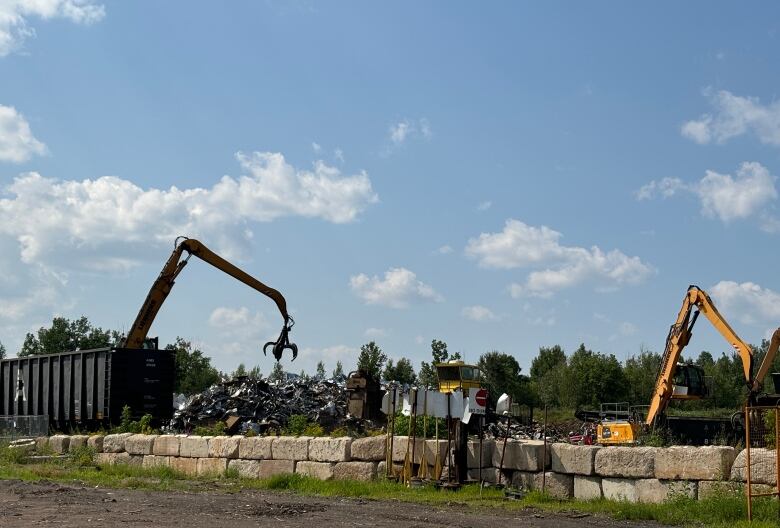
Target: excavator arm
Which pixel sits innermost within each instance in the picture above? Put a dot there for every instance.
(165, 281)
(680, 334)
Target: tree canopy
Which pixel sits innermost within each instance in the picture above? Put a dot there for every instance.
(194, 372)
(371, 359)
(65, 335)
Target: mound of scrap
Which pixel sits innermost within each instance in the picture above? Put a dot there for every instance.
(245, 403)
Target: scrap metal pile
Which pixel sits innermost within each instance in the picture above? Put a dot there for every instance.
(536, 431)
(261, 405)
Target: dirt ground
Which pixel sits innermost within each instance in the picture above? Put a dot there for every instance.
(51, 504)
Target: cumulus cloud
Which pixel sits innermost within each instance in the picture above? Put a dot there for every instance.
(17, 143)
(399, 133)
(522, 246)
(484, 206)
(724, 196)
(375, 332)
(15, 14)
(108, 222)
(478, 313)
(232, 319)
(747, 302)
(733, 116)
(444, 250)
(398, 289)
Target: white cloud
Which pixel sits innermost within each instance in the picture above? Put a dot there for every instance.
(238, 319)
(407, 129)
(397, 289)
(734, 116)
(310, 356)
(747, 302)
(14, 15)
(17, 143)
(316, 147)
(338, 155)
(478, 313)
(724, 196)
(444, 250)
(484, 206)
(522, 246)
(375, 332)
(110, 222)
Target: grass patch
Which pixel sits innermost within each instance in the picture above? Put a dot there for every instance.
(722, 511)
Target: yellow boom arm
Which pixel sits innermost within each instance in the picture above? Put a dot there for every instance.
(164, 283)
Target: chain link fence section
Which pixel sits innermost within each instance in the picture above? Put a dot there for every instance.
(15, 427)
(762, 456)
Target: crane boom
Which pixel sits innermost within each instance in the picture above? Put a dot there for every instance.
(164, 283)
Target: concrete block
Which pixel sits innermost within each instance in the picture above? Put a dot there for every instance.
(619, 489)
(489, 475)
(185, 465)
(626, 462)
(587, 488)
(255, 448)
(140, 444)
(713, 489)
(224, 446)
(694, 463)
(96, 443)
(655, 491)
(557, 485)
(112, 459)
(472, 455)
(155, 461)
(115, 443)
(77, 441)
(573, 459)
(194, 446)
(166, 445)
(399, 448)
(431, 447)
(396, 470)
(371, 448)
(330, 449)
(522, 455)
(245, 468)
(354, 471)
(318, 470)
(59, 444)
(42, 444)
(762, 466)
(212, 466)
(290, 448)
(269, 468)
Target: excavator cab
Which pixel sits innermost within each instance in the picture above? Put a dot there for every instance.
(689, 382)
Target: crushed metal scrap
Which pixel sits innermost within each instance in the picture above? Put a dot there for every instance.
(261, 405)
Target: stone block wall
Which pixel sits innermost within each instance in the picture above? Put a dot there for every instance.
(637, 474)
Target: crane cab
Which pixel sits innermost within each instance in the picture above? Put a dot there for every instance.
(457, 375)
(689, 382)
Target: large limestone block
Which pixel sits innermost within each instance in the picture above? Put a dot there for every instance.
(715, 489)
(224, 446)
(372, 448)
(113, 459)
(354, 471)
(269, 468)
(556, 485)
(626, 462)
(185, 465)
(763, 469)
(77, 441)
(245, 468)
(573, 459)
(523, 480)
(522, 455)
(330, 449)
(59, 444)
(166, 445)
(431, 448)
(42, 444)
(396, 469)
(587, 488)
(290, 448)
(95, 442)
(400, 444)
(655, 491)
(212, 466)
(489, 475)
(694, 463)
(318, 470)
(619, 489)
(194, 446)
(115, 443)
(255, 448)
(155, 461)
(140, 444)
(472, 455)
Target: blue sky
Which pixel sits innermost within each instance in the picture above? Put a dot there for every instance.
(501, 177)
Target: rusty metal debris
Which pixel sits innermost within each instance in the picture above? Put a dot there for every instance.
(261, 405)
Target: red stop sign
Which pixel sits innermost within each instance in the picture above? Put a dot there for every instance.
(481, 397)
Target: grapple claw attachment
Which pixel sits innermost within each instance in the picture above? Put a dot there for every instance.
(282, 343)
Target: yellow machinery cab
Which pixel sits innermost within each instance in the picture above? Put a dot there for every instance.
(618, 425)
(455, 375)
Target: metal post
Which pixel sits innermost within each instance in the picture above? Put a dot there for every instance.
(449, 439)
(777, 454)
(481, 420)
(413, 424)
(391, 429)
(506, 437)
(544, 460)
(747, 457)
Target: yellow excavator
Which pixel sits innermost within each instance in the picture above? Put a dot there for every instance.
(136, 337)
(678, 381)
